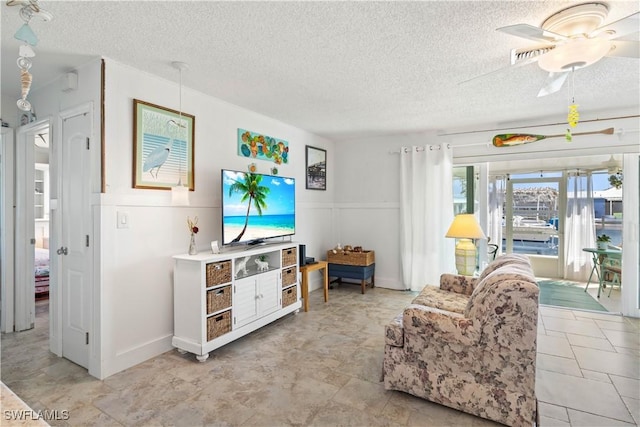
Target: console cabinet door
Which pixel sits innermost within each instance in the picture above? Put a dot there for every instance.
(245, 302)
(268, 292)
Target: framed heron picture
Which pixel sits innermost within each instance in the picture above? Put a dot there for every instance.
(163, 142)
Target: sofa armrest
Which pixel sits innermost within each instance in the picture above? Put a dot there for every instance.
(394, 332)
(437, 327)
(458, 283)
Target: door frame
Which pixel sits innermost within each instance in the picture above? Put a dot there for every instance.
(630, 292)
(7, 249)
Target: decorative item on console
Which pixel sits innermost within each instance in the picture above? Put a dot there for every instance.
(241, 266)
(192, 224)
(262, 265)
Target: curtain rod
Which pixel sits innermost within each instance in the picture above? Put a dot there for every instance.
(562, 150)
(533, 126)
(420, 148)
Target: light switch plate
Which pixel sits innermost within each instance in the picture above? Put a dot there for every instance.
(123, 219)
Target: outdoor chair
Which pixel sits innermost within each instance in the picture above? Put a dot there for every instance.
(493, 250)
(612, 271)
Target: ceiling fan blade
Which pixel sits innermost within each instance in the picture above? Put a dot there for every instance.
(625, 49)
(620, 28)
(553, 83)
(532, 33)
(518, 64)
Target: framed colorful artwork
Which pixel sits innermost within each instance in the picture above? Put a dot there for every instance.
(163, 143)
(262, 147)
(316, 168)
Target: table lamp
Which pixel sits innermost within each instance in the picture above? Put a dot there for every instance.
(464, 228)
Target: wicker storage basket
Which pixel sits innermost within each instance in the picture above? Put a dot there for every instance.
(289, 296)
(218, 273)
(289, 276)
(289, 256)
(351, 258)
(218, 299)
(218, 325)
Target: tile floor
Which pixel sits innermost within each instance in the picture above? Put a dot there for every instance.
(322, 368)
(610, 302)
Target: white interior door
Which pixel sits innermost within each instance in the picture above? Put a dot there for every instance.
(24, 309)
(74, 242)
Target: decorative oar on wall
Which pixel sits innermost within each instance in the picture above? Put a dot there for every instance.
(509, 139)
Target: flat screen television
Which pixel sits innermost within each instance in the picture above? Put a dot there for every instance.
(256, 207)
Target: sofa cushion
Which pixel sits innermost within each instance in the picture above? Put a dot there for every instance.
(442, 299)
(516, 271)
(503, 260)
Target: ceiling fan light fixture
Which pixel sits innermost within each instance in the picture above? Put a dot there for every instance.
(576, 53)
(578, 19)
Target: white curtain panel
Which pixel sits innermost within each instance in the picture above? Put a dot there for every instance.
(496, 211)
(579, 227)
(426, 212)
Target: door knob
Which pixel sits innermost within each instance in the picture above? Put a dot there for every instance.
(62, 251)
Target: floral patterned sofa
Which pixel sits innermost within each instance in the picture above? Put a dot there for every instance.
(471, 344)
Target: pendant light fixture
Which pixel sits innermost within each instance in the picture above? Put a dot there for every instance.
(180, 193)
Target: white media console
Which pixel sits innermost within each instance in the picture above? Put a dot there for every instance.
(216, 301)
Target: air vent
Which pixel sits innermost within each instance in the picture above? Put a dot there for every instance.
(518, 55)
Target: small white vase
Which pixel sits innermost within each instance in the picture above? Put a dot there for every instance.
(192, 245)
(603, 245)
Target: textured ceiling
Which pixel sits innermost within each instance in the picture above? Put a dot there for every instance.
(338, 69)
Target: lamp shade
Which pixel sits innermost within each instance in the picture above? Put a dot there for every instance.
(465, 226)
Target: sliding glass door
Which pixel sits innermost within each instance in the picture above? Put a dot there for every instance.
(532, 214)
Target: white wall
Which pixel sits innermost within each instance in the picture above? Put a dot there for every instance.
(136, 264)
(367, 209)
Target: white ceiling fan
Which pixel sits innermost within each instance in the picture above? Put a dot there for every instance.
(613, 166)
(574, 38)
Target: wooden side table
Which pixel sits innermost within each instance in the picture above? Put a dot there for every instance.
(358, 272)
(305, 269)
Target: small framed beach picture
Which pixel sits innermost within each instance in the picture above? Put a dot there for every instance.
(316, 168)
(163, 141)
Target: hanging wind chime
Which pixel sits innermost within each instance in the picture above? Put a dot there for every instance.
(29, 9)
(573, 116)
